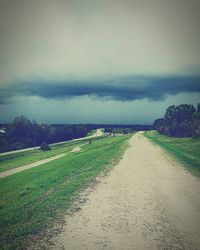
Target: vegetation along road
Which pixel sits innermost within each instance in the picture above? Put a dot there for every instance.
(33, 201)
(32, 165)
(148, 201)
(98, 133)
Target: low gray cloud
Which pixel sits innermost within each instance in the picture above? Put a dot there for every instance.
(119, 88)
(97, 38)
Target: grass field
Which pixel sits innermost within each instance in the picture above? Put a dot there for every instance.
(14, 160)
(32, 200)
(186, 150)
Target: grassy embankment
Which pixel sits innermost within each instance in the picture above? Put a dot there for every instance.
(14, 160)
(32, 200)
(186, 150)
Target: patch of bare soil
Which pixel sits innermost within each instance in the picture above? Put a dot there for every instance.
(76, 149)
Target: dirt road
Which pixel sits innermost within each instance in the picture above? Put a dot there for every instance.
(147, 201)
(36, 164)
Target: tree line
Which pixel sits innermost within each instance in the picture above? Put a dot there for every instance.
(22, 133)
(180, 121)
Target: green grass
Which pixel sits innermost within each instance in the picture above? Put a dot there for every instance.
(14, 160)
(32, 200)
(186, 150)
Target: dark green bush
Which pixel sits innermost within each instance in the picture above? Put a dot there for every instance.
(45, 147)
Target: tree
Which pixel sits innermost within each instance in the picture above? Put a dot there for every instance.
(181, 121)
(198, 107)
(20, 127)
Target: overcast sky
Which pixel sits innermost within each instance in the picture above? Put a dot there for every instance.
(97, 61)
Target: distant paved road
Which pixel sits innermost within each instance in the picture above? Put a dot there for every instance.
(147, 202)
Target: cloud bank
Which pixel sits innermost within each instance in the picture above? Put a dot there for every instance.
(127, 88)
(98, 38)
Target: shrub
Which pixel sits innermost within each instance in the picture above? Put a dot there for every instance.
(45, 147)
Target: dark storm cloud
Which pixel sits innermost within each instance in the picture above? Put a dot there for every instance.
(121, 88)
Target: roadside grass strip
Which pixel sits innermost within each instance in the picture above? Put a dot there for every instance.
(33, 200)
(15, 160)
(32, 165)
(186, 150)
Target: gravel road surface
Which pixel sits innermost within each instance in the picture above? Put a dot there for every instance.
(148, 201)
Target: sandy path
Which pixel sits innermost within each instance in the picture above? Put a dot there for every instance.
(32, 165)
(38, 163)
(148, 202)
(76, 149)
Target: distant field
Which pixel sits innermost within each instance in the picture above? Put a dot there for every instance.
(186, 150)
(14, 160)
(33, 199)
